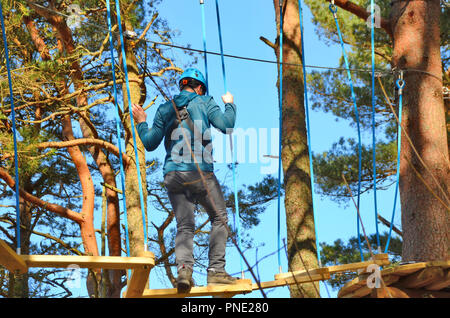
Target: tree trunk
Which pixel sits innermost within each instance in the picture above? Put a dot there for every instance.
(425, 220)
(301, 237)
(134, 211)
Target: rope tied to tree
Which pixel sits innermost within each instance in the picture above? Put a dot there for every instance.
(119, 139)
(400, 83)
(125, 69)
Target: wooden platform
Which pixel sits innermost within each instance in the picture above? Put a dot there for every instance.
(140, 266)
(417, 280)
(11, 260)
(242, 286)
(284, 279)
(105, 262)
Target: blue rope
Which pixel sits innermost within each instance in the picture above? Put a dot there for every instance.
(308, 133)
(236, 198)
(374, 163)
(119, 139)
(221, 47)
(13, 120)
(202, 6)
(400, 84)
(280, 106)
(124, 58)
(333, 10)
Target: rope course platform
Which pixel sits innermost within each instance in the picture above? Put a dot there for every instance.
(245, 286)
(142, 265)
(415, 280)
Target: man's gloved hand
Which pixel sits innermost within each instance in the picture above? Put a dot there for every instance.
(228, 98)
(139, 114)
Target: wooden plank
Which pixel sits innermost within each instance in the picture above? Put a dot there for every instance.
(422, 278)
(301, 278)
(440, 284)
(322, 270)
(106, 262)
(389, 292)
(404, 270)
(242, 286)
(380, 259)
(136, 285)
(443, 264)
(352, 285)
(414, 275)
(358, 287)
(11, 260)
(365, 290)
(139, 279)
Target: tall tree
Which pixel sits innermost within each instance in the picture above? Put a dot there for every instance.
(62, 97)
(403, 43)
(301, 236)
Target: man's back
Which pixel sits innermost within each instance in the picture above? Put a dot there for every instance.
(203, 112)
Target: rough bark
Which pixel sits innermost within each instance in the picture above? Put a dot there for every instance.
(425, 221)
(134, 212)
(301, 246)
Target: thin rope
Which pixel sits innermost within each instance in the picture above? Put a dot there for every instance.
(400, 84)
(383, 72)
(205, 55)
(308, 134)
(233, 154)
(13, 120)
(374, 162)
(125, 69)
(119, 139)
(333, 10)
(280, 106)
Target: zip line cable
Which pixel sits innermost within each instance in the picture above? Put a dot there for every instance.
(374, 162)
(383, 72)
(13, 120)
(233, 153)
(119, 139)
(333, 10)
(400, 83)
(125, 69)
(280, 101)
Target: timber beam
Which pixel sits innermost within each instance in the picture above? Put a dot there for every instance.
(105, 262)
(11, 260)
(242, 286)
(379, 259)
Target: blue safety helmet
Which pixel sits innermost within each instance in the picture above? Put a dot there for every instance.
(195, 74)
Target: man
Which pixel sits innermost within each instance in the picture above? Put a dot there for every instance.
(186, 185)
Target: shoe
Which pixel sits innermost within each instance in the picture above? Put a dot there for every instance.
(220, 277)
(184, 279)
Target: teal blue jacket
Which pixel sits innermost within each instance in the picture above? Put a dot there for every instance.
(204, 112)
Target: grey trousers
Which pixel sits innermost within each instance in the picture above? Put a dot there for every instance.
(186, 189)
